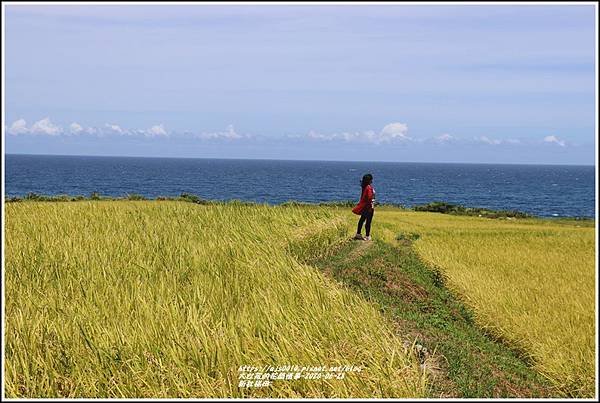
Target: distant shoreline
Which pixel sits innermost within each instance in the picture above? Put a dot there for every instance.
(301, 160)
(432, 207)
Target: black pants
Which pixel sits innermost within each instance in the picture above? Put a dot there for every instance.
(367, 215)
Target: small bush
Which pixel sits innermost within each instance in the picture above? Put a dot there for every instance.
(134, 196)
(188, 197)
(457, 209)
(440, 207)
(35, 196)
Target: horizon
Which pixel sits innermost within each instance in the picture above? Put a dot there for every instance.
(298, 160)
(459, 83)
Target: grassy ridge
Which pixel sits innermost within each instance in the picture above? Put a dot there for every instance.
(530, 282)
(463, 362)
(168, 299)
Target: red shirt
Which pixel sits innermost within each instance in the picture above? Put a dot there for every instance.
(366, 200)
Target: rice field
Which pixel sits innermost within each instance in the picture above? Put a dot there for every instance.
(170, 299)
(530, 283)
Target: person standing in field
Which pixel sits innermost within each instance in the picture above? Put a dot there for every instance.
(365, 207)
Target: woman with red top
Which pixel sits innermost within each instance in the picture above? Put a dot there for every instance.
(365, 207)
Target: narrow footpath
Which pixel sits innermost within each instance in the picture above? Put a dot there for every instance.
(461, 359)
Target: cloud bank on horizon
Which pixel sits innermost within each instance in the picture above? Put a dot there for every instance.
(458, 83)
(391, 133)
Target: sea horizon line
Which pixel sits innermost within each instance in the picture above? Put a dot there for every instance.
(303, 160)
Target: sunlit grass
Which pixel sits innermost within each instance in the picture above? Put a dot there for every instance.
(530, 282)
(168, 299)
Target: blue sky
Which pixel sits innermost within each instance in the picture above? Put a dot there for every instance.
(451, 83)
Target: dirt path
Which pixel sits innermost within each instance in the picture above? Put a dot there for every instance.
(360, 247)
(461, 359)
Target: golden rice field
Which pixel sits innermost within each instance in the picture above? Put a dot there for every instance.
(169, 299)
(530, 282)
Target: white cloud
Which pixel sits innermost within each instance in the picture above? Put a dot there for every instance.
(443, 138)
(554, 139)
(45, 126)
(487, 140)
(116, 128)
(394, 131)
(75, 128)
(391, 132)
(495, 142)
(368, 136)
(336, 136)
(229, 133)
(156, 130)
(314, 135)
(18, 127)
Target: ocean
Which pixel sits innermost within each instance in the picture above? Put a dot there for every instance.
(541, 190)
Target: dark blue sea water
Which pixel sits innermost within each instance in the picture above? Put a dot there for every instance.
(543, 190)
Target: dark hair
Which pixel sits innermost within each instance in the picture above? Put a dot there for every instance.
(366, 179)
